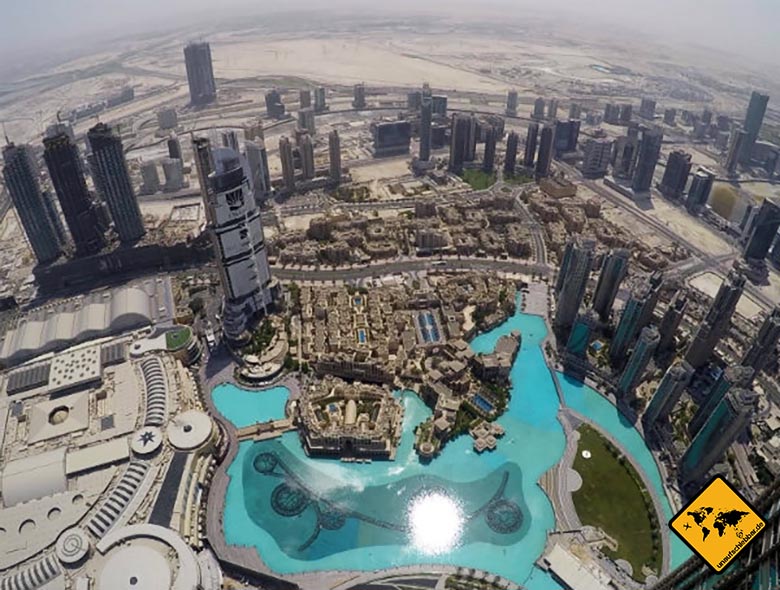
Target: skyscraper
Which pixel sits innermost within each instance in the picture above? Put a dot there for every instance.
(511, 103)
(597, 153)
(320, 103)
(567, 134)
(306, 120)
(736, 142)
(239, 244)
(288, 163)
(572, 281)
(79, 209)
(438, 104)
(260, 175)
(671, 320)
(552, 109)
(544, 160)
(647, 109)
(669, 116)
(459, 134)
(21, 180)
(575, 111)
(754, 119)
(510, 158)
(732, 377)
(274, 105)
(580, 335)
(530, 145)
(538, 112)
(613, 270)
(426, 117)
(174, 148)
(764, 345)
(764, 230)
(636, 314)
(626, 111)
(334, 154)
(699, 192)
(717, 321)
(307, 157)
(359, 96)
(174, 174)
(729, 420)
(666, 396)
(204, 164)
(230, 140)
(150, 178)
(643, 352)
(112, 179)
(678, 167)
(200, 73)
(489, 159)
(647, 159)
(472, 137)
(612, 113)
(304, 98)
(652, 290)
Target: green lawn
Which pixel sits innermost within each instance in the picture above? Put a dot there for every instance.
(177, 338)
(612, 498)
(477, 179)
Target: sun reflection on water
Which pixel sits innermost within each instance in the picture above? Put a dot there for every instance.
(435, 523)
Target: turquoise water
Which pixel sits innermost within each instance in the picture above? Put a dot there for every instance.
(304, 514)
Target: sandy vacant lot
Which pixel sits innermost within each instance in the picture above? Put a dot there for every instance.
(709, 283)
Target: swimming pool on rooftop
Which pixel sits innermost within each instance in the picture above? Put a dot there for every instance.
(481, 511)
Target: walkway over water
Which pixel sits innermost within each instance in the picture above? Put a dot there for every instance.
(264, 430)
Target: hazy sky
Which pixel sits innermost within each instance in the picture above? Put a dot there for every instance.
(749, 27)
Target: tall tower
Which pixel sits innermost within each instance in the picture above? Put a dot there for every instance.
(510, 157)
(699, 193)
(112, 179)
(239, 244)
(544, 160)
(320, 104)
(671, 320)
(736, 143)
(764, 345)
(307, 157)
(67, 177)
(530, 145)
(637, 313)
(200, 73)
(204, 164)
(472, 137)
(638, 361)
(734, 376)
(647, 109)
(334, 153)
(304, 97)
(426, 117)
(459, 132)
(717, 321)
(489, 159)
(613, 270)
(38, 221)
(288, 163)
(678, 167)
(359, 96)
(764, 230)
(596, 156)
(666, 396)
(257, 161)
(647, 159)
(572, 281)
(754, 119)
(729, 420)
(511, 103)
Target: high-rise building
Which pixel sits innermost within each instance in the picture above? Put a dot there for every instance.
(764, 230)
(572, 281)
(552, 109)
(174, 147)
(306, 120)
(699, 192)
(625, 157)
(230, 140)
(546, 143)
(647, 109)
(204, 164)
(647, 159)
(764, 345)
(288, 163)
(253, 130)
(643, 352)
(112, 180)
(626, 112)
(726, 423)
(597, 154)
(426, 118)
(637, 313)
(320, 100)
(670, 323)
(706, 116)
(459, 134)
(678, 167)
(414, 100)
(439, 105)
(530, 145)
(732, 377)
(670, 115)
(200, 73)
(274, 105)
(471, 139)
(754, 567)
(79, 209)
(37, 219)
(581, 333)
(334, 153)
(511, 103)
(575, 111)
(612, 113)
(260, 175)
(613, 270)
(239, 244)
(754, 119)
(489, 158)
(736, 143)
(538, 112)
(652, 290)
(359, 96)
(510, 158)
(307, 157)
(150, 178)
(666, 396)
(567, 134)
(717, 321)
(174, 174)
(304, 98)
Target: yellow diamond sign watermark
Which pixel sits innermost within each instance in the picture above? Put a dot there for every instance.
(718, 524)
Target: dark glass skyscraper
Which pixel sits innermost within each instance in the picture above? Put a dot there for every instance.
(109, 171)
(200, 73)
(637, 363)
(647, 159)
(764, 344)
(754, 119)
(764, 230)
(78, 207)
(510, 158)
(699, 193)
(530, 145)
(678, 167)
(546, 144)
(459, 135)
(667, 394)
(426, 116)
(613, 270)
(572, 281)
(489, 158)
(35, 214)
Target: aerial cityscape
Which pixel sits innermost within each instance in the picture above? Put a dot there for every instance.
(359, 301)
